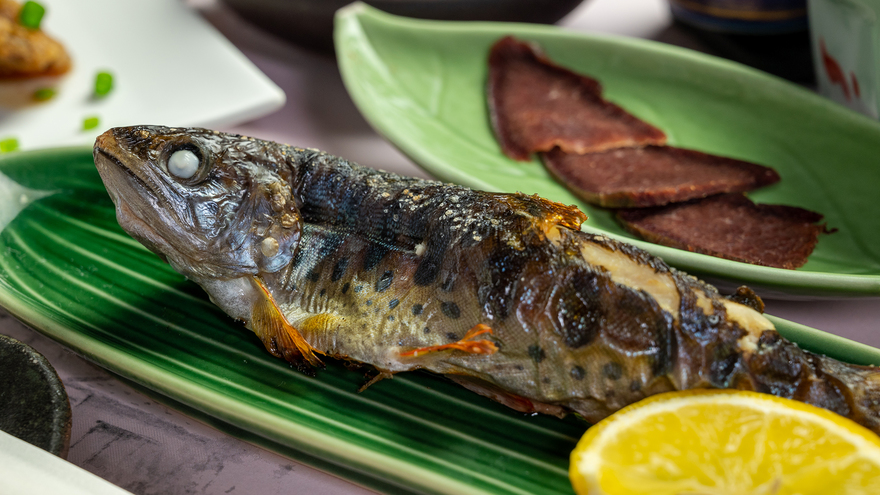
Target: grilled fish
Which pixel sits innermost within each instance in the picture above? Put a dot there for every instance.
(503, 293)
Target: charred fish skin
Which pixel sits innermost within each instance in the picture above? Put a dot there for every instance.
(501, 292)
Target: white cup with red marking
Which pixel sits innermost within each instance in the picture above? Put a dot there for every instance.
(846, 46)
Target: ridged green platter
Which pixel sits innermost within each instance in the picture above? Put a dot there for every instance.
(421, 84)
(68, 270)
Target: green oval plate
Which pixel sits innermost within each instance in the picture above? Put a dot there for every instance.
(68, 270)
(421, 85)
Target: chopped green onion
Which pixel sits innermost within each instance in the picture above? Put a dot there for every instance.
(103, 83)
(8, 144)
(31, 14)
(90, 123)
(44, 94)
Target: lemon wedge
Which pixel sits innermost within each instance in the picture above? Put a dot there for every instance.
(714, 442)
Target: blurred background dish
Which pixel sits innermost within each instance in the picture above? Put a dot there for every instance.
(743, 17)
(168, 65)
(29, 469)
(309, 23)
(770, 35)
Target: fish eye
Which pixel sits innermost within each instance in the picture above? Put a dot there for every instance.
(183, 163)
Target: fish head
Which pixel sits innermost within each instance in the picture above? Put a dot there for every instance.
(213, 205)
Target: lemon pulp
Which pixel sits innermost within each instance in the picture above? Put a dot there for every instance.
(726, 442)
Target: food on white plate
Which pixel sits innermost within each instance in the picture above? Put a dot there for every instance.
(26, 51)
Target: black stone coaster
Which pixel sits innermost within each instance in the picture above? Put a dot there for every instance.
(33, 402)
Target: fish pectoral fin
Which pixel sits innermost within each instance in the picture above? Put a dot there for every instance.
(321, 322)
(278, 335)
(481, 346)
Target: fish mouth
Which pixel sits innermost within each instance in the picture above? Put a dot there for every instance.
(123, 184)
(105, 161)
(103, 156)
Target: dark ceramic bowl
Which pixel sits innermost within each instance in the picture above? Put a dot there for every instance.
(33, 404)
(743, 17)
(309, 23)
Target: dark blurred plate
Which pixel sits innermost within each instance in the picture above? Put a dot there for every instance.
(310, 22)
(743, 17)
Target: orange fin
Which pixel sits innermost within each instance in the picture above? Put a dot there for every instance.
(279, 336)
(465, 345)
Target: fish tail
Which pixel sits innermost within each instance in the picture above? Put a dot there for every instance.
(867, 404)
(781, 368)
(858, 386)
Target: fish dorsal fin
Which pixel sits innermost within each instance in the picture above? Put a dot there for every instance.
(278, 335)
(543, 212)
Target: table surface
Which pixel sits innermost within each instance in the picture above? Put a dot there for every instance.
(145, 447)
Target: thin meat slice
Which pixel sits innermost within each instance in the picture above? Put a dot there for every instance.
(730, 226)
(653, 175)
(536, 105)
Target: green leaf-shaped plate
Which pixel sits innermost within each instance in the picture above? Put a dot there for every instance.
(68, 270)
(421, 85)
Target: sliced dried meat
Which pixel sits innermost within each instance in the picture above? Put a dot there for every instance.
(653, 175)
(730, 226)
(536, 105)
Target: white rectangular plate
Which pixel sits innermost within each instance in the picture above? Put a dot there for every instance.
(169, 65)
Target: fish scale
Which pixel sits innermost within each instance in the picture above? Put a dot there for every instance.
(502, 293)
